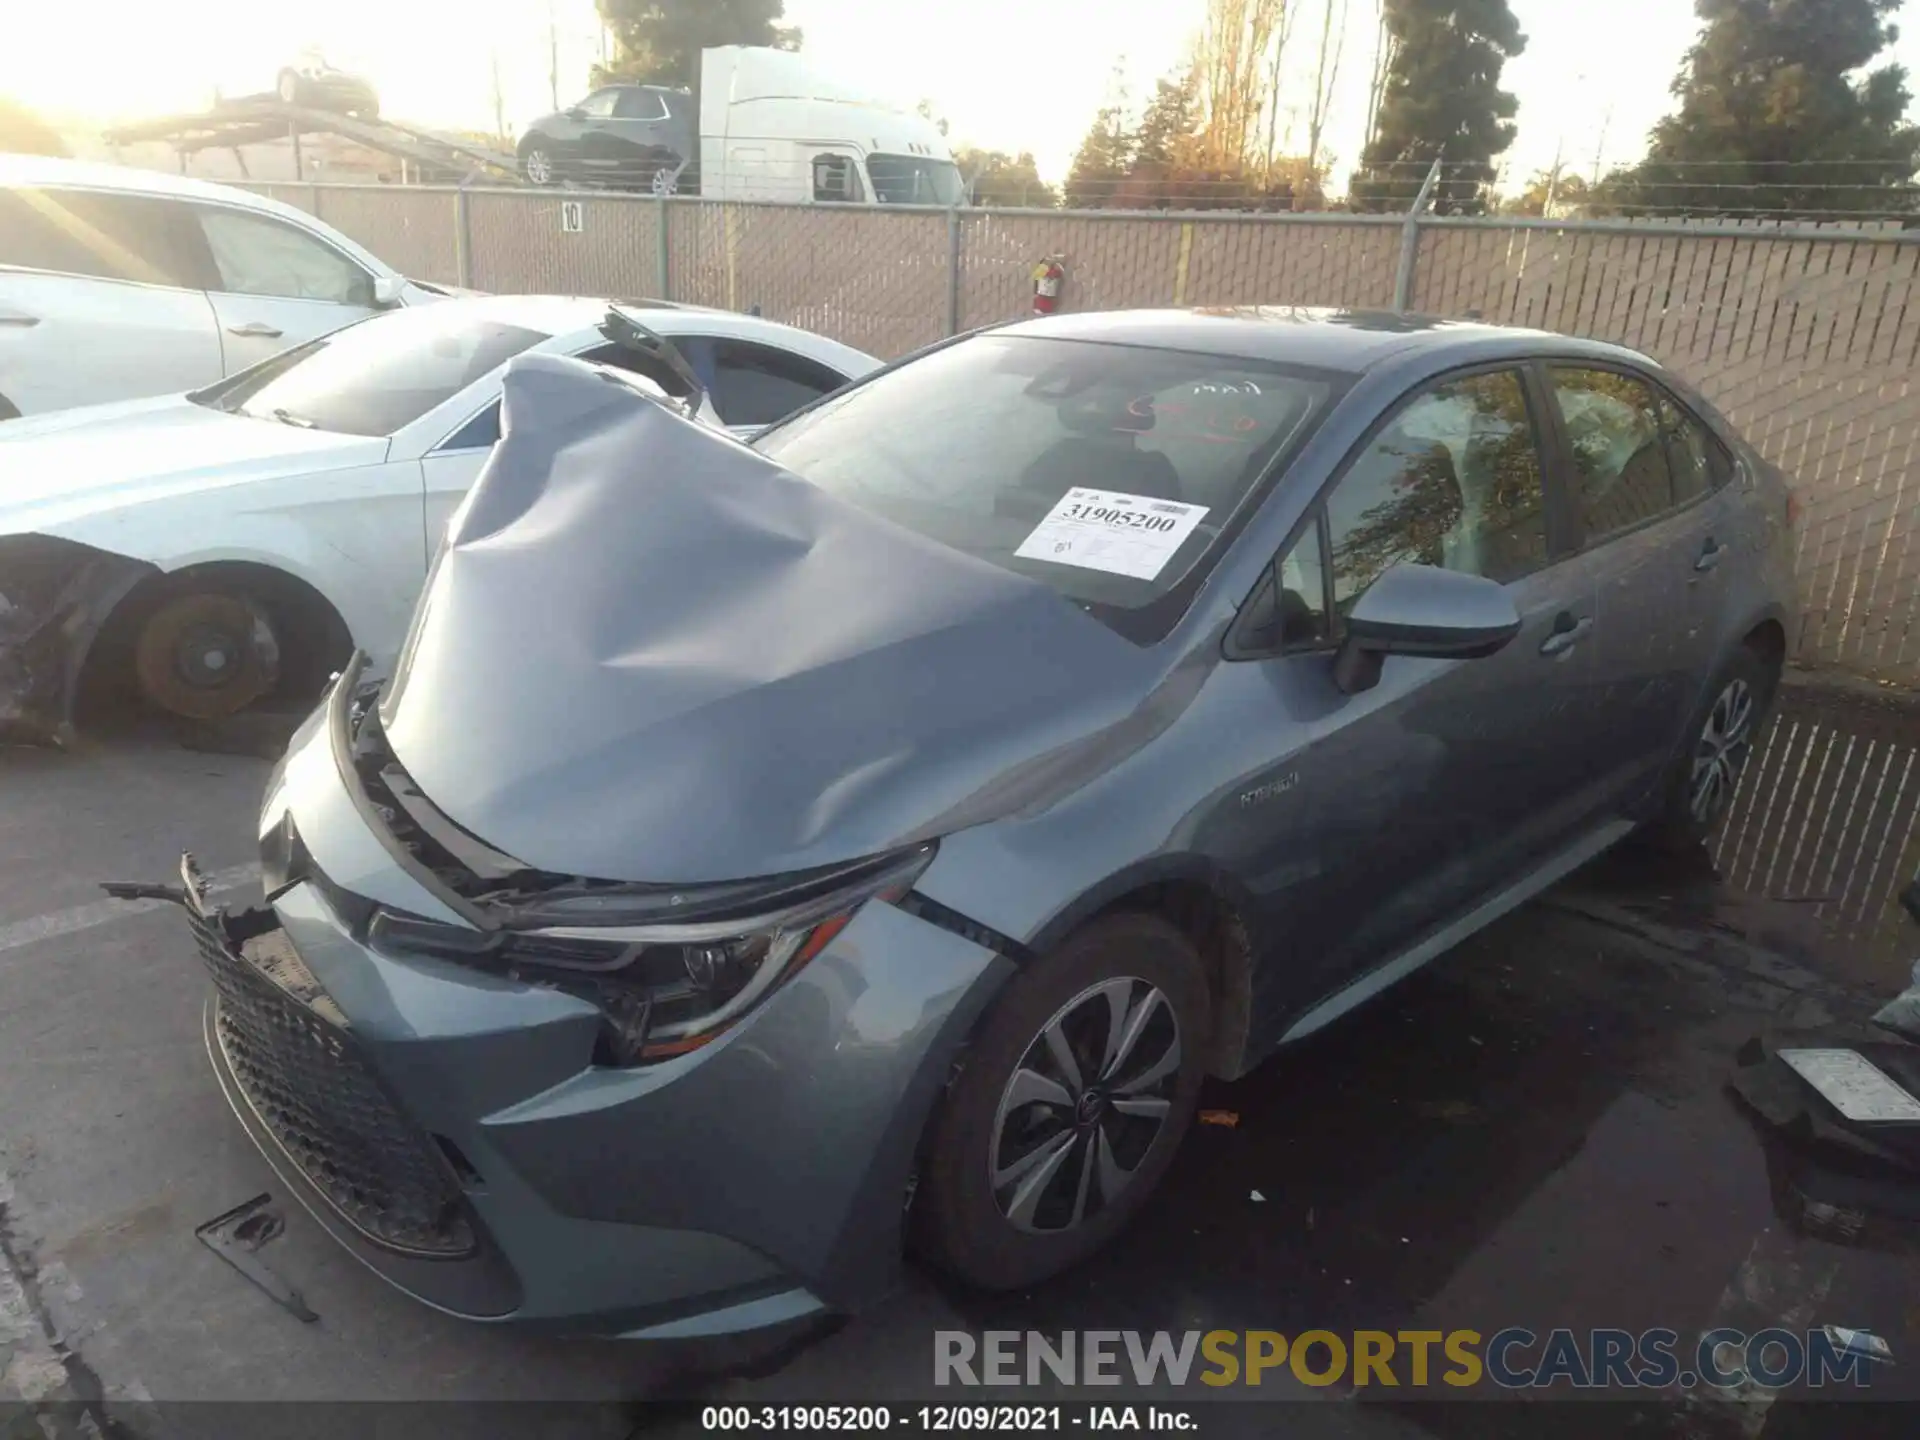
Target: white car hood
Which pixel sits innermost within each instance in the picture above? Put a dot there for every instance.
(61, 470)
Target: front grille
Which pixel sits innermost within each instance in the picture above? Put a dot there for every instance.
(302, 1072)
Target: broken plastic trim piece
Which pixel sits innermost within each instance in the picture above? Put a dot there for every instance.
(934, 913)
(238, 1235)
(339, 733)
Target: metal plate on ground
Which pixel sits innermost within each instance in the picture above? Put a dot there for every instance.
(1853, 1085)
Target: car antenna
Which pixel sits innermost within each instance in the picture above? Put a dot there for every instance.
(625, 331)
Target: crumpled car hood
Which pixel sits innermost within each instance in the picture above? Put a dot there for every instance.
(647, 653)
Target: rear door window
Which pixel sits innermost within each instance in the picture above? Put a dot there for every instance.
(1622, 474)
(1700, 464)
(757, 385)
(103, 235)
(639, 105)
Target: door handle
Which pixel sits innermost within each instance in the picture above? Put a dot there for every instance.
(16, 317)
(1567, 633)
(1711, 554)
(254, 330)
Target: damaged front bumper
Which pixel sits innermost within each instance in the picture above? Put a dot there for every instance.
(55, 595)
(459, 1131)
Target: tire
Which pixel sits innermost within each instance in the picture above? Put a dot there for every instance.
(1720, 740)
(206, 655)
(8, 410)
(1053, 1211)
(538, 167)
(288, 87)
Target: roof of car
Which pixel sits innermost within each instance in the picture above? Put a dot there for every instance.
(560, 314)
(98, 175)
(563, 315)
(1346, 340)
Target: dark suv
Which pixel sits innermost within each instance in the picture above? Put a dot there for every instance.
(631, 136)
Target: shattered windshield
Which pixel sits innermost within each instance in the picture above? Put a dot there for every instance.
(1106, 471)
(377, 376)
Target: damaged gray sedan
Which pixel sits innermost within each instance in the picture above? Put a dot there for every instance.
(766, 861)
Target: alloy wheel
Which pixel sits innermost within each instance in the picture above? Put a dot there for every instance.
(1084, 1106)
(1725, 740)
(539, 167)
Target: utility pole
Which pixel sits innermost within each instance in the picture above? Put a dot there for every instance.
(499, 100)
(553, 56)
(1606, 124)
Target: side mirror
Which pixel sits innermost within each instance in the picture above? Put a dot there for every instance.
(388, 290)
(1422, 610)
(574, 112)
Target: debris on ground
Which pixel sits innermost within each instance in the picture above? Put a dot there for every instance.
(1257, 1197)
(238, 1235)
(1859, 1342)
(1227, 1118)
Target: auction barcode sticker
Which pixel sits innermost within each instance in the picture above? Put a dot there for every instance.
(1133, 535)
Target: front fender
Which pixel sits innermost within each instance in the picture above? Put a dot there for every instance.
(54, 597)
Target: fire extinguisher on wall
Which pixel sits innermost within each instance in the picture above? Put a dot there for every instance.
(1048, 276)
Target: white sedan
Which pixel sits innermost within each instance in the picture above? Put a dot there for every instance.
(237, 541)
(117, 282)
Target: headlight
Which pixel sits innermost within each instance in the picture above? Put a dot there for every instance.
(666, 987)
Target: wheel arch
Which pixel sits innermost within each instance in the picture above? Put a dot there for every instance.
(307, 622)
(1215, 914)
(1768, 637)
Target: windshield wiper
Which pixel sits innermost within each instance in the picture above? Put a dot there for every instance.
(287, 417)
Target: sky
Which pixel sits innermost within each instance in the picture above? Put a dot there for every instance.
(1006, 74)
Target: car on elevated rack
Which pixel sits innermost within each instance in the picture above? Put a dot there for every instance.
(622, 135)
(117, 283)
(239, 541)
(764, 856)
(312, 82)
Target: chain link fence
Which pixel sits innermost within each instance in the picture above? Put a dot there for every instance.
(1806, 337)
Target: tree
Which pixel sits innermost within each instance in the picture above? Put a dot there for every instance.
(1231, 61)
(1442, 99)
(1776, 118)
(24, 133)
(1106, 154)
(660, 40)
(1008, 181)
(1549, 194)
(1326, 72)
(1170, 124)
